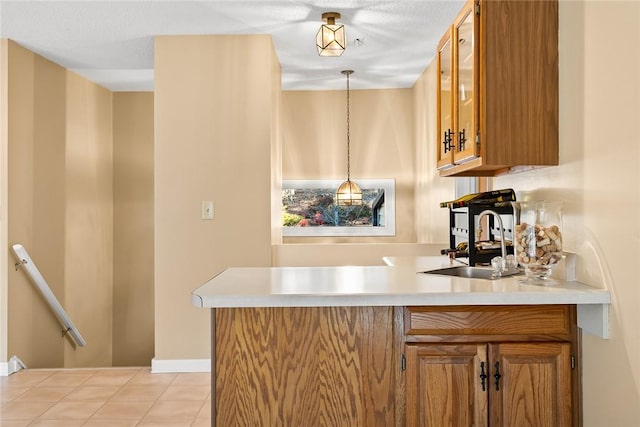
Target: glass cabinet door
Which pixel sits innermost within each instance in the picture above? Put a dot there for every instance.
(466, 96)
(446, 133)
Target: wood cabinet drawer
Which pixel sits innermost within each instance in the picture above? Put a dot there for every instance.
(550, 321)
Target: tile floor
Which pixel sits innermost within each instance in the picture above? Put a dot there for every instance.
(112, 397)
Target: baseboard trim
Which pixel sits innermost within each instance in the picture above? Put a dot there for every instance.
(11, 367)
(180, 365)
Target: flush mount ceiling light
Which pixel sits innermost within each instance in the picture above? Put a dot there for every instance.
(349, 193)
(331, 39)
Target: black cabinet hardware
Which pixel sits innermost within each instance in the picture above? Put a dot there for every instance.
(462, 140)
(483, 376)
(448, 141)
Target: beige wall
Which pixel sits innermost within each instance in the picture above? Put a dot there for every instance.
(60, 208)
(382, 146)
(133, 309)
(61, 175)
(599, 181)
(89, 219)
(325, 255)
(432, 222)
(214, 119)
(4, 174)
(36, 193)
(276, 153)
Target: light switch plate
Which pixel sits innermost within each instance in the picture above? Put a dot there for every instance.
(207, 209)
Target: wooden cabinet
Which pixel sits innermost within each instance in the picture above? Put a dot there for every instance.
(530, 384)
(498, 88)
(304, 366)
(444, 57)
(395, 366)
(443, 385)
(497, 366)
(457, 84)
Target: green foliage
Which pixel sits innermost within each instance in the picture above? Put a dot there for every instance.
(290, 220)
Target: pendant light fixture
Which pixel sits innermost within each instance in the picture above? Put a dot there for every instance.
(331, 38)
(349, 193)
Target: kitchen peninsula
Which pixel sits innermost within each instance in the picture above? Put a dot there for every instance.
(389, 346)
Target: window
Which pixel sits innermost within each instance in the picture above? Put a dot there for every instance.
(308, 209)
(466, 185)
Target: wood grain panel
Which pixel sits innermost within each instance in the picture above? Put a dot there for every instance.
(535, 388)
(443, 386)
(489, 320)
(305, 366)
(520, 82)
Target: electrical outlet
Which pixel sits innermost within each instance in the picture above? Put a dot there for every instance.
(207, 209)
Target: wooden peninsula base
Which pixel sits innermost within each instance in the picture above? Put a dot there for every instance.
(505, 365)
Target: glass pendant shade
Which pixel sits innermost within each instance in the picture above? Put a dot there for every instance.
(331, 38)
(349, 194)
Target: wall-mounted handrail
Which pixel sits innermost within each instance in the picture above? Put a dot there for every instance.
(24, 260)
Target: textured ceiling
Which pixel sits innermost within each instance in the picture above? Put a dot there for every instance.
(111, 42)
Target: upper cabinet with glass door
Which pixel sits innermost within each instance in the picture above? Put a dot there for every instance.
(466, 73)
(445, 101)
(504, 80)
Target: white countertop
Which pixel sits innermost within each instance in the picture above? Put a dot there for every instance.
(380, 286)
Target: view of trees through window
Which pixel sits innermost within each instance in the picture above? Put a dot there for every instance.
(315, 207)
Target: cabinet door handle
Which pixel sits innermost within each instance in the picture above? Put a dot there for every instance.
(497, 376)
(462, 140)
(483, 376)
(448, 141)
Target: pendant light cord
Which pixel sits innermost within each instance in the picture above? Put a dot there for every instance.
(348, 194)
(348, 130)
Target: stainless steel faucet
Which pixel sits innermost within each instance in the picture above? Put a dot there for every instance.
(505, 265)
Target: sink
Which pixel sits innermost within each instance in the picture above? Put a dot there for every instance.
(465, 271)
